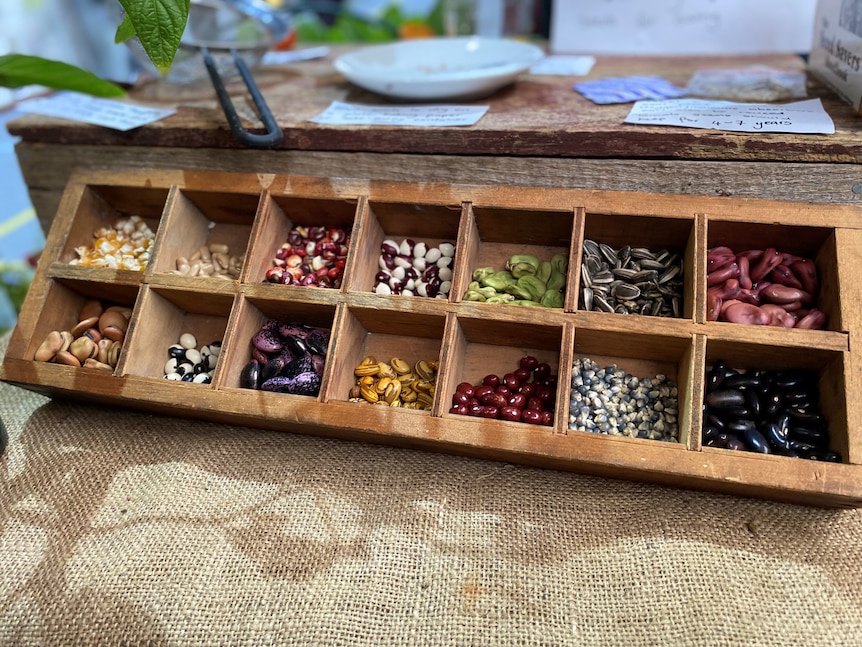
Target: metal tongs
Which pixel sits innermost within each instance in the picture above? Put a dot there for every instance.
(237, 31)
(273, 135)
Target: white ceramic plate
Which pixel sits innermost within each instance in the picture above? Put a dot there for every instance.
(437, 69)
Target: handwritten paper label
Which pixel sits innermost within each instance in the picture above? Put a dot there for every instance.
(339, 113)
(564, 65)
(101, 112)
(799, 117)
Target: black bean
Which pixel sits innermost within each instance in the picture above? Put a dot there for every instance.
(816, 437)
(740, 426)
(735, 444)
(249, 378)
(755, 441)
(776, 436)
(752, 400)
(738, 412)
(724, 398)
(716, 375)
(742, 381)
(715, 421)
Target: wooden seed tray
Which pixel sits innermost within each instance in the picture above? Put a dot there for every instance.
(253, 213)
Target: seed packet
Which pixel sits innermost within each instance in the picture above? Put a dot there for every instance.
(623, 89)
(757, 83)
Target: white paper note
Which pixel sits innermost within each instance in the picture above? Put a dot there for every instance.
(294, 55)
(722, 27)
(92, 110)
(564, 65)
(339, 113)
(799, 117)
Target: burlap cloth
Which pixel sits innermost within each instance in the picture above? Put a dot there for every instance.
(123, 528)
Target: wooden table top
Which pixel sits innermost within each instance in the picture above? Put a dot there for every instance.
(539, 115)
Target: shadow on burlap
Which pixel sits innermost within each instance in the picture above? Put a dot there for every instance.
(123, 528)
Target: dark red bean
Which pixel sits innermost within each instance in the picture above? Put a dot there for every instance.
(517, 400)
(490, 412)
(529, 362)
(491, 380)
(531, 416)
(510, 413)
(466, 388)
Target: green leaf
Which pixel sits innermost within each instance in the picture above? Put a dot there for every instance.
(125, 31)
(18, 70)
(159, 24)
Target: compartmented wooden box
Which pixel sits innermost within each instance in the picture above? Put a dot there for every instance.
(466, 340)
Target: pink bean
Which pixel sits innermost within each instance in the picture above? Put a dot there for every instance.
(787, 258)
(749, 296)
(744, 272)
(716, 277)
(778, 315)
(729, 290)
(770, 259)
(715, 261)
(781, 294)
(806, 272)
(814, 320)
(746, 313)
(753, 255)
(713, 304)
(784, 275)
(725, 306)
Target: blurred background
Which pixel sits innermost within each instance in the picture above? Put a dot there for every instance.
(81, 32)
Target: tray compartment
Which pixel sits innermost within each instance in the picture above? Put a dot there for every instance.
(279, 215)
(478, 348)
(662, 246)
(632, 402)
(64, 301)
(490, 236)
(364, 332)
(815, 243)
(101, 206)
(248, 316)
(827, 368)
(164, 314)
(429, 224)
(196, 219)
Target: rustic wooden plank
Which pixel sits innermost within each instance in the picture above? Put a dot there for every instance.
(47, 169)
(539, 115)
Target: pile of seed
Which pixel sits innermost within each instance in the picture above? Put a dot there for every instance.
(123, 246)
(611, 401)
(188, 363)
(210, 260)
(395, 383)
(631, 280)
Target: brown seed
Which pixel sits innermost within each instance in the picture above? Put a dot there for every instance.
(83, 348)
(83, 325)
(91, 308)
(104, 349)
(65, 357)
(94, 363)
(49, 348)
(112, 324)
